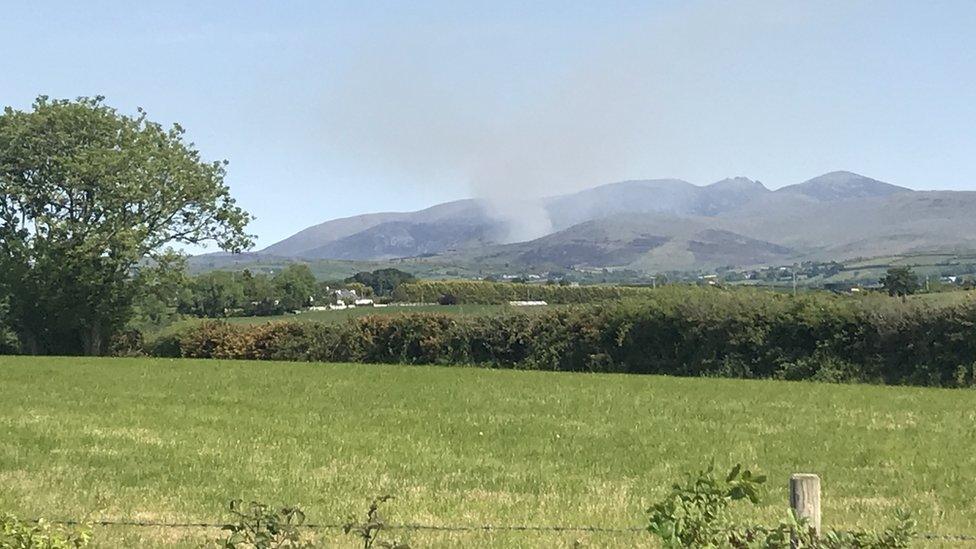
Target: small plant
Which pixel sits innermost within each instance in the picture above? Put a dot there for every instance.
(369, 530)
(20, 534)
(698, 514)
(257, 526)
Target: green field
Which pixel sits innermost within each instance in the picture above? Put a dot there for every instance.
(173, 440)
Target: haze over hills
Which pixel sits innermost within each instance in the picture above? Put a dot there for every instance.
(665, 224)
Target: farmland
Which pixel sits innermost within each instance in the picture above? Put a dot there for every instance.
(173, 440)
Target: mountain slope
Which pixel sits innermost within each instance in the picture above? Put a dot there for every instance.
(657, 242)
(842, 186)
(655, 196)
(662, 224)
(396, 239)
(314, 242)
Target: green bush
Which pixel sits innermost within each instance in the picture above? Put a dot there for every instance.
(258, 526)
(688, 332)
(700, 513)
(21, 534)
(486, 292)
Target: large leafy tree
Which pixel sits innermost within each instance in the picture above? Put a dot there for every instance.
(900, 281)
(382, 281)
(214, 294)
(295, 286)
(86, 196)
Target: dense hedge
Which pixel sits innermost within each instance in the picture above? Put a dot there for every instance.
(482, 292)
(696, 332)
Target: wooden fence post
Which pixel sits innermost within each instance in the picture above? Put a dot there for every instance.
(805, 498)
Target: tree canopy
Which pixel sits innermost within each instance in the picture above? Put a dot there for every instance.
(86, 196)
(382, 281)
(900, 281)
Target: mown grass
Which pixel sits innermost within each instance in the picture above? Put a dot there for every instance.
(173, 440)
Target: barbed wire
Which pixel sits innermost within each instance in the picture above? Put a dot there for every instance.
(931, 536)
(327, 526)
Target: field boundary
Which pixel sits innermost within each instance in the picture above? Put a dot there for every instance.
(929, 536)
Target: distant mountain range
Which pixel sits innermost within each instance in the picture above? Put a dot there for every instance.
(662, 224)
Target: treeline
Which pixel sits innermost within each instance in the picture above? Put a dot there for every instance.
(219, 294)
(223, 293)
(673, 331)
(485, 292)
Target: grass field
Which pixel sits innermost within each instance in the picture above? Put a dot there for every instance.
(173, 440)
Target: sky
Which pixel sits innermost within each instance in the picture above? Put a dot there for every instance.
(332, 109)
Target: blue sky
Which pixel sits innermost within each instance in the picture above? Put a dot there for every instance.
(334, 109)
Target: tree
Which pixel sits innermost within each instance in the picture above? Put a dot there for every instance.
(259, 294)
(215, 294)
(8, 339)
(161, 285)
(382, 281)
(900, 281)
(86, 195)
(294, 285)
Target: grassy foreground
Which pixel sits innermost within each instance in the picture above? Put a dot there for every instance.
(173, 440)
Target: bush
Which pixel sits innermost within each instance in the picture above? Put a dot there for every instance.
(488, 292)
(21, 534)
(257, 526)
(699, 513)
(687, 332)
(447, 299)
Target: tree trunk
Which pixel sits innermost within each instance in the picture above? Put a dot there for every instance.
(92, 339)
(30, 344)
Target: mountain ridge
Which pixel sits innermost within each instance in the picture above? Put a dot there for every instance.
(654, 224)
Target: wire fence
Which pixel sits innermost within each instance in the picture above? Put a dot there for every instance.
(928, 536)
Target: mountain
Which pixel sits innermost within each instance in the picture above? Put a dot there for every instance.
(842, 186)
(658, 242)
(662, 224)
(392, 234)
(654, 196)
(394, 239)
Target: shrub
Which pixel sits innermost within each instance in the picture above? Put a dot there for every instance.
(258, 526)
(447, 299)
(20, 534)
(699, 513)
(489, 292)
(369, 530)
(687, 332)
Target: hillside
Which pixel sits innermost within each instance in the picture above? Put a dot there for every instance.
(664, 224)
(390, 234)
(662, 241)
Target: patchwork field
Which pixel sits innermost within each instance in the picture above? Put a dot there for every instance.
(174, 440)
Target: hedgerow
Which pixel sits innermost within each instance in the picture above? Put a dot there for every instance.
(485, 292)
(696, 332)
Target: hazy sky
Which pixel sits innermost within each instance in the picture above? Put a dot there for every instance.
(334, 109)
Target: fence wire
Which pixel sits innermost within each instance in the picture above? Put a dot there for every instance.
(929, 536)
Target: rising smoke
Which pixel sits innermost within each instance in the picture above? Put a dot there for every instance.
(412, 109)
